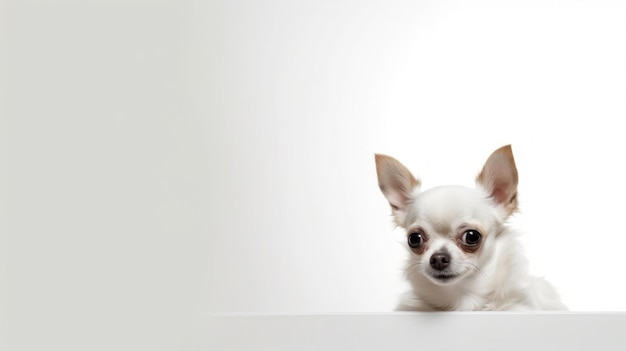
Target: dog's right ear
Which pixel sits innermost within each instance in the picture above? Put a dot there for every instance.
(499, 178)
(397, 184)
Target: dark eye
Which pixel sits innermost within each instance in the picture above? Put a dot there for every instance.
(416, 240)
(471, 237)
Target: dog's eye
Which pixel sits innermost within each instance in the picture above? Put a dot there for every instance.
(416, 240)
(471, 237)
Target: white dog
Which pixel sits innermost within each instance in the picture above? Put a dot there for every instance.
(462, 254)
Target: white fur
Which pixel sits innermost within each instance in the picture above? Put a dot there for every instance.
(495, 276)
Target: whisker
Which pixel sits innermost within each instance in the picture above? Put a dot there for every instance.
(478, 271)
(412, 268)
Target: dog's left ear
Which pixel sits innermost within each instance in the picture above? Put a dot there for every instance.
(397, 184)
(499, 178)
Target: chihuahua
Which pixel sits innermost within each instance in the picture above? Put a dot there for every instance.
(462, 254)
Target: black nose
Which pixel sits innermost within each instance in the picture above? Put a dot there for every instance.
(440, 260)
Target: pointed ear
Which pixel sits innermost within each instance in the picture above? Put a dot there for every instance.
(397, 184)
(499, 178)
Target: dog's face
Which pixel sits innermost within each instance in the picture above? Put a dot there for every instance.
(450, 229)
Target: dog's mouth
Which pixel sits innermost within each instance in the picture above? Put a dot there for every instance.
(443, 277)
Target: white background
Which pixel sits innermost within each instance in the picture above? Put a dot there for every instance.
(165, 159)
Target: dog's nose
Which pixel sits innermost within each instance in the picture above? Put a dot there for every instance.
(440, 260)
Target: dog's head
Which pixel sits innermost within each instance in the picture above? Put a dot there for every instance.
(450, 229)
